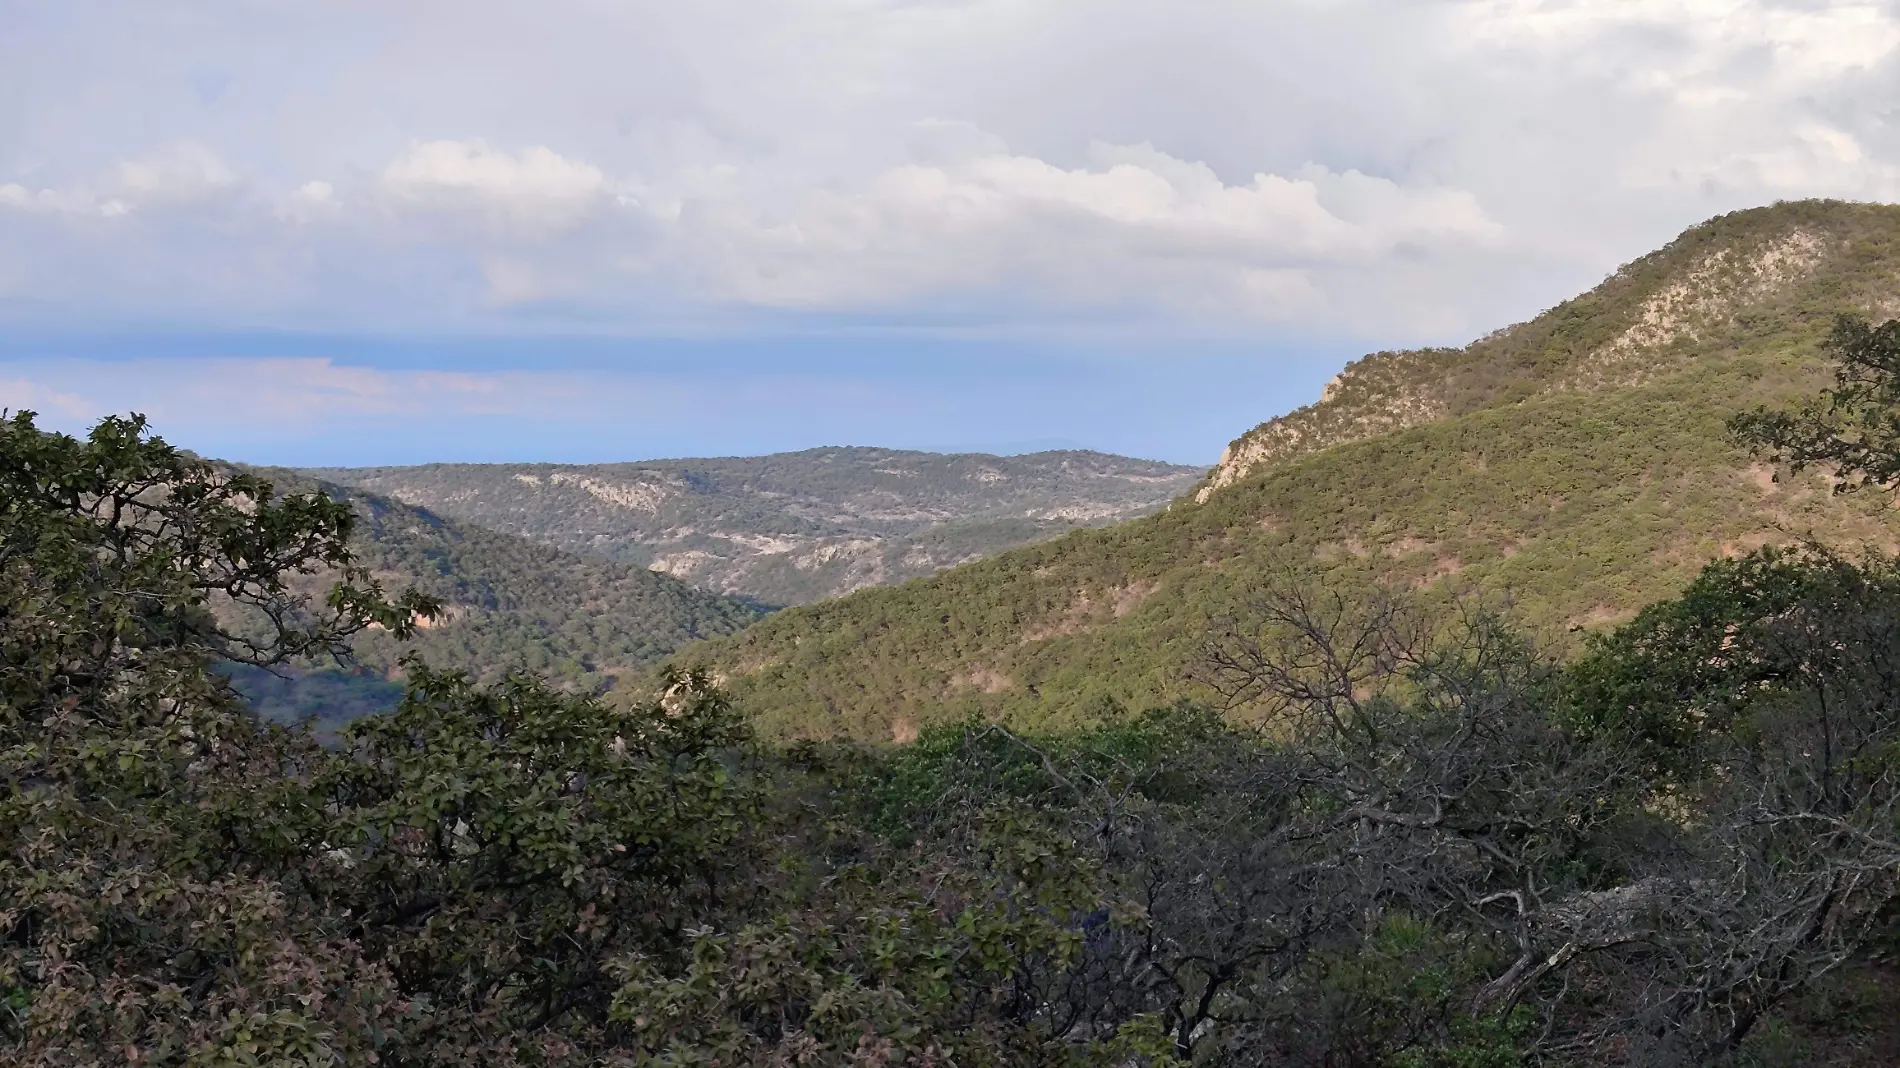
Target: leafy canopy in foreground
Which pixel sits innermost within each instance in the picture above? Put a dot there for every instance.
(1448, 850)
(487, 875)
(141, 800)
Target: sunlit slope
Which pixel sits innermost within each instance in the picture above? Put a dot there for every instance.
(1576, 464)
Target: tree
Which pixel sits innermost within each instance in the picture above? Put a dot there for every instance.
(1646, 851)
(1767, 700)
(489, 874)
(1853, 428)
(138, 910)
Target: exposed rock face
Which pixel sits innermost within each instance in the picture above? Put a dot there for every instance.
(792, 528)
(1383, 392)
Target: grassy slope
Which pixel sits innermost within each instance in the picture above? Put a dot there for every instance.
(794, 527)
(1584, 475)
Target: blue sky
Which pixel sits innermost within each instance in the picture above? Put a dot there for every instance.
(329, 400)
(353, 232)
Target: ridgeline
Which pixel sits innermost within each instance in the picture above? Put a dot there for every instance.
(790, 528)
(1576, 464)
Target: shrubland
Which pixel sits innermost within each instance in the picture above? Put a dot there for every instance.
(1386, 823)
(1390, 834)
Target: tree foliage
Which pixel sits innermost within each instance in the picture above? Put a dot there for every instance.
(490, 874)
(141, 797)
(1852, 429)
(1442, 847)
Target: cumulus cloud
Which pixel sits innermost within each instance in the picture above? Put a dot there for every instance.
(1766, 97)
(182, 173)
(179, 175)
(15, 196)
(536, 187)
(314, 201)
(1387, 167)
(1135, 224)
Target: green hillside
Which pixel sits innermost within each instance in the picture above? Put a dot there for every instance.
(507, 603)
(793, 527)
(1576, 463)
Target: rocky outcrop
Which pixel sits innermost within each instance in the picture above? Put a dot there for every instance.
(1705, 280)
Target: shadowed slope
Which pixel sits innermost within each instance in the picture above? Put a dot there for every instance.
(507, 603)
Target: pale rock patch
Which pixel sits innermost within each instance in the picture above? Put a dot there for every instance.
(635, 496)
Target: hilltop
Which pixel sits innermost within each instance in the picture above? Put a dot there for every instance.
(1575, 463)
(789, 528)
(507, 603)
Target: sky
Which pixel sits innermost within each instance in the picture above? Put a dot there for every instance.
(394, 231)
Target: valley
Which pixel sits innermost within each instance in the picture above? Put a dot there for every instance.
(589, 576)
(1513, 704)
(1575, 465)
(790, 528)
(508, 604)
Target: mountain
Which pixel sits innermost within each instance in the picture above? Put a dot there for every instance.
(508, 603)
(790, 528)
(1575, 464)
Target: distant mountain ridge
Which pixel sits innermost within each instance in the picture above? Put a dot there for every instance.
(1576, 463)
(789, 528)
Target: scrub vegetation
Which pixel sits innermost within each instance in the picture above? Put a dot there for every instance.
(1552, 721)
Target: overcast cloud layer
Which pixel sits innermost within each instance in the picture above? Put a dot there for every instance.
(1368, 170)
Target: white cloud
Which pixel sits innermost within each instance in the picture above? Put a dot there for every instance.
(536, 187)
(310, 202)
(23, 394)
(1384, 166)
(1805, 43)
(183, 173)
(1743, 94)
(1137, 226)
(20, 198)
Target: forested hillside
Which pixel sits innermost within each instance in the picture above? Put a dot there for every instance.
(1576, 465)
(794, 527)
(1452, 849)
(507, 603)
